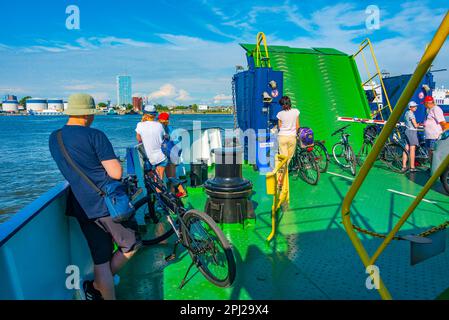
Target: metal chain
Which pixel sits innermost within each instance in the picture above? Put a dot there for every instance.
(424, 234)
(234, 104)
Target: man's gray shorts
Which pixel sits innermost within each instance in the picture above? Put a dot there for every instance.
(124, 234)
(412, 137)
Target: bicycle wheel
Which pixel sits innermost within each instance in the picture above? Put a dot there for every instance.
(308, 167)
(445, 180)
(293, 167)
(363, 153)
(209, 248)
(157, 228)
(351, 161)
(338, 152)
(392, 155)
(322, 156)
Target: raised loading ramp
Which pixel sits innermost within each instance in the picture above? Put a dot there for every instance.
(323, 83)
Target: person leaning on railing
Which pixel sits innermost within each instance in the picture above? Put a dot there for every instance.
(171, 151)
(434, 125)
(80, 150)
(288, 124)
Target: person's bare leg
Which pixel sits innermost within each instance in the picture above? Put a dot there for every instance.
(120, 259)
(104, 281)
(404, 157)
(170, 171)
(412, 157)
(160, 172)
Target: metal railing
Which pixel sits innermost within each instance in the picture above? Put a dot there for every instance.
(424, 65)
(278, 186)
(260, 60)
(367, 43)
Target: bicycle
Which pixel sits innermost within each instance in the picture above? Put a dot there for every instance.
(445, 180)
(397, 148)
(304, 162)
(322, 156)
(391, 153)
(342, 151)
(369, 136)
(197, 232)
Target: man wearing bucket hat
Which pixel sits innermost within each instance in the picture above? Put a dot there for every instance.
(434, 125)
(411, 134)
(151, 134)
(79, 149)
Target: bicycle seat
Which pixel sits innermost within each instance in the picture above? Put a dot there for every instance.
(175, 182)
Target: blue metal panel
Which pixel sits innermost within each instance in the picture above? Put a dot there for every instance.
(36, 246)
(396, 85)
(253, 113)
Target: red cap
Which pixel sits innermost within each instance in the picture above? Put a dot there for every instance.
(164, 116)
(428, 99)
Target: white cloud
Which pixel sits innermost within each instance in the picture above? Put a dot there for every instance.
(12, 90)
(183, 96)
(169, 94)
(167, 91)
(191, 67)
(100, 96)
(414, 19)
(79, 87)
(222, 98)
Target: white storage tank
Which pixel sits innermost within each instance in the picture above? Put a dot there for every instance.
(55, 104)
(11, 106)
(37, 104)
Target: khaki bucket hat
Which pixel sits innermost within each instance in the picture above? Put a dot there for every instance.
(80, 105)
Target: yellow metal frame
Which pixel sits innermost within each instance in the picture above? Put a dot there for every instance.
(367, 43)
(278, 186)
(424, 65)
(261, 61)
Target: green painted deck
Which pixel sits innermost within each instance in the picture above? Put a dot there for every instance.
(311, 256)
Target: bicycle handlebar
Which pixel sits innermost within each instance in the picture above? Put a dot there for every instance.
(340, 130)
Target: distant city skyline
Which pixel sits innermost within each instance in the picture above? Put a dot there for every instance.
(124, 90)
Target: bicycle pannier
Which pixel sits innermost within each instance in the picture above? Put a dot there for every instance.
(305, 137)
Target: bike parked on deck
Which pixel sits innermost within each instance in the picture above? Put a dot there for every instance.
(196, 231)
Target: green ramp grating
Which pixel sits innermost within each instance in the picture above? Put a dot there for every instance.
(323, 83)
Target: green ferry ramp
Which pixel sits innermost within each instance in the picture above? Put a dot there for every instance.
(323, 83)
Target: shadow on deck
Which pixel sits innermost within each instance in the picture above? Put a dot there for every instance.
(311, 256)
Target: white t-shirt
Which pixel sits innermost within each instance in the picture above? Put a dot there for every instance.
(152, 134)
(432, 127)
(288, 125)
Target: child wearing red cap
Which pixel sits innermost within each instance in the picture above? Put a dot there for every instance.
(170, 171)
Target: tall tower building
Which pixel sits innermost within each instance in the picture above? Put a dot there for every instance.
(124, 90)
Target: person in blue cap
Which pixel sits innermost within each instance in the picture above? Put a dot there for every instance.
(411, 134)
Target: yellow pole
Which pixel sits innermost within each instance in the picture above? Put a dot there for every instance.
(380, 75)
(425, 63)
(419, 197)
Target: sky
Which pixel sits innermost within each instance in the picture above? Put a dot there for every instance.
(185, 52)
